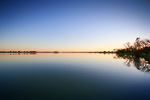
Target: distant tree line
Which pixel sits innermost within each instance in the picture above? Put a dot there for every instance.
(139, 47)
(31, 52)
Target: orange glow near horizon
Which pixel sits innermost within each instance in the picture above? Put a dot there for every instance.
(51, 56)
(58, 49)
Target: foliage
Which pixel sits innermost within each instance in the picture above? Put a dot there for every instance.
(139, 47)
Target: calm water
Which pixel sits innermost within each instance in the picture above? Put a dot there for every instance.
(71, 76)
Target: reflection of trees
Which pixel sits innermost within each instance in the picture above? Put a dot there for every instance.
(139, 63)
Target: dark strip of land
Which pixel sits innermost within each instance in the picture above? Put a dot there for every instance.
(57, 52)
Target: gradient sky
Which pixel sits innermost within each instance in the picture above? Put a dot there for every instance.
(72, 25)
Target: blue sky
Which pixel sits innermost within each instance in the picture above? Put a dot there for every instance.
(72, 25)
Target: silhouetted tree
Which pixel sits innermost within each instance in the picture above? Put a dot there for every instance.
(139, 46)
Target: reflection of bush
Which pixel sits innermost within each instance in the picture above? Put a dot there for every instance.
(138, 62)
(136, 54)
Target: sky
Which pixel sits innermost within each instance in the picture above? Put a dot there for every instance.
(72, 25)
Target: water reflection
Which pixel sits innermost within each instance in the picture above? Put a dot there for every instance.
(140, 63)
(76, 76)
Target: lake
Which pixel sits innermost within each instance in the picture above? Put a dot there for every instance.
(73, 76)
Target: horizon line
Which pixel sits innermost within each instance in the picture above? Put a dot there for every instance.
(56, 51)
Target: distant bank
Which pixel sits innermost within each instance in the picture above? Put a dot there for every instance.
(34, 52)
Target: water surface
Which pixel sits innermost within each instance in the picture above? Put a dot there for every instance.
(78, 76)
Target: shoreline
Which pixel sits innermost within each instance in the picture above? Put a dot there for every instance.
(34, 52)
